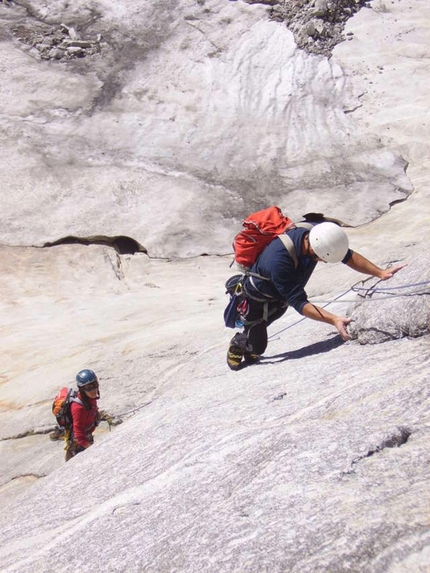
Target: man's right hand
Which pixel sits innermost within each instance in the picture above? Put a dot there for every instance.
(321, 315)
(340, 323)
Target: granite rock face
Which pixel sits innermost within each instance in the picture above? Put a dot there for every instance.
(316, 459)
(394, 309)
(56, 43)
(140, 120)
(317, 25)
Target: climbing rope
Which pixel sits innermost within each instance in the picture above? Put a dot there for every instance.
(367, 296)
(368, 293)
(304, 318)
(134, 410)
(394, 287)
(387, 291)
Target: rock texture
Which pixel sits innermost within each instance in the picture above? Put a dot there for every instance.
(314, 460)
(309, 464)
(61, 43)
(389, 311)
(317, 25)
(190, 110)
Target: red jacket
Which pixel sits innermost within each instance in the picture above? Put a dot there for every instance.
(84, 421)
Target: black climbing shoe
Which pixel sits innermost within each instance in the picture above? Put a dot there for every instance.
(234, 356)
(238, 347)
(250, 358)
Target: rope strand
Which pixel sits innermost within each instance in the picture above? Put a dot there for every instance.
(372, 290)
(366, 297)
(355, 289)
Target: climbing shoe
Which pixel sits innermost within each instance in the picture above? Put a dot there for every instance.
(238, 347)
(57, 434)
(234, 357)
(250, 358)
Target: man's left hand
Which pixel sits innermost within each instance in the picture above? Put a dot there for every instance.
(390, 272)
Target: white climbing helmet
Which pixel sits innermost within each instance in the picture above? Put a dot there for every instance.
(329, 242)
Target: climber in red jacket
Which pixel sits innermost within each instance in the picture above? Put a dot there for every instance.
(85, 414)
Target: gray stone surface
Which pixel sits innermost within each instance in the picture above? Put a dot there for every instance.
(389, 311)
(317, 25)
(314, 460)
(186, 111)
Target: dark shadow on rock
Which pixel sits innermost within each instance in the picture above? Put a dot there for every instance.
(122, 244)
(317, 348)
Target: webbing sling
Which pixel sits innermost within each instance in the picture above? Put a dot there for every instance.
(289, 245)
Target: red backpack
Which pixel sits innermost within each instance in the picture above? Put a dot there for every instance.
(260, 230)
(61, 406)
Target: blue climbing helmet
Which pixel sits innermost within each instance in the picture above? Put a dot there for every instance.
(85, 377)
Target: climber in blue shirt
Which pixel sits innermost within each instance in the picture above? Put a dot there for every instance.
(277, 281)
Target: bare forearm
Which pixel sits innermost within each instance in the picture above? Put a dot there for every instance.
(316, 313)
(363, 265)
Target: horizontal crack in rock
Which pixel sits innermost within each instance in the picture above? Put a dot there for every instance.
(28, 434)
(37, 476)
(122, 244)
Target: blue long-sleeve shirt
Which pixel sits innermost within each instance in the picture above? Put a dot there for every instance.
(286, 283)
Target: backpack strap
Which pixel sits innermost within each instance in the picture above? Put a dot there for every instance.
(305, 225)
(73, 398)
(289, 245)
